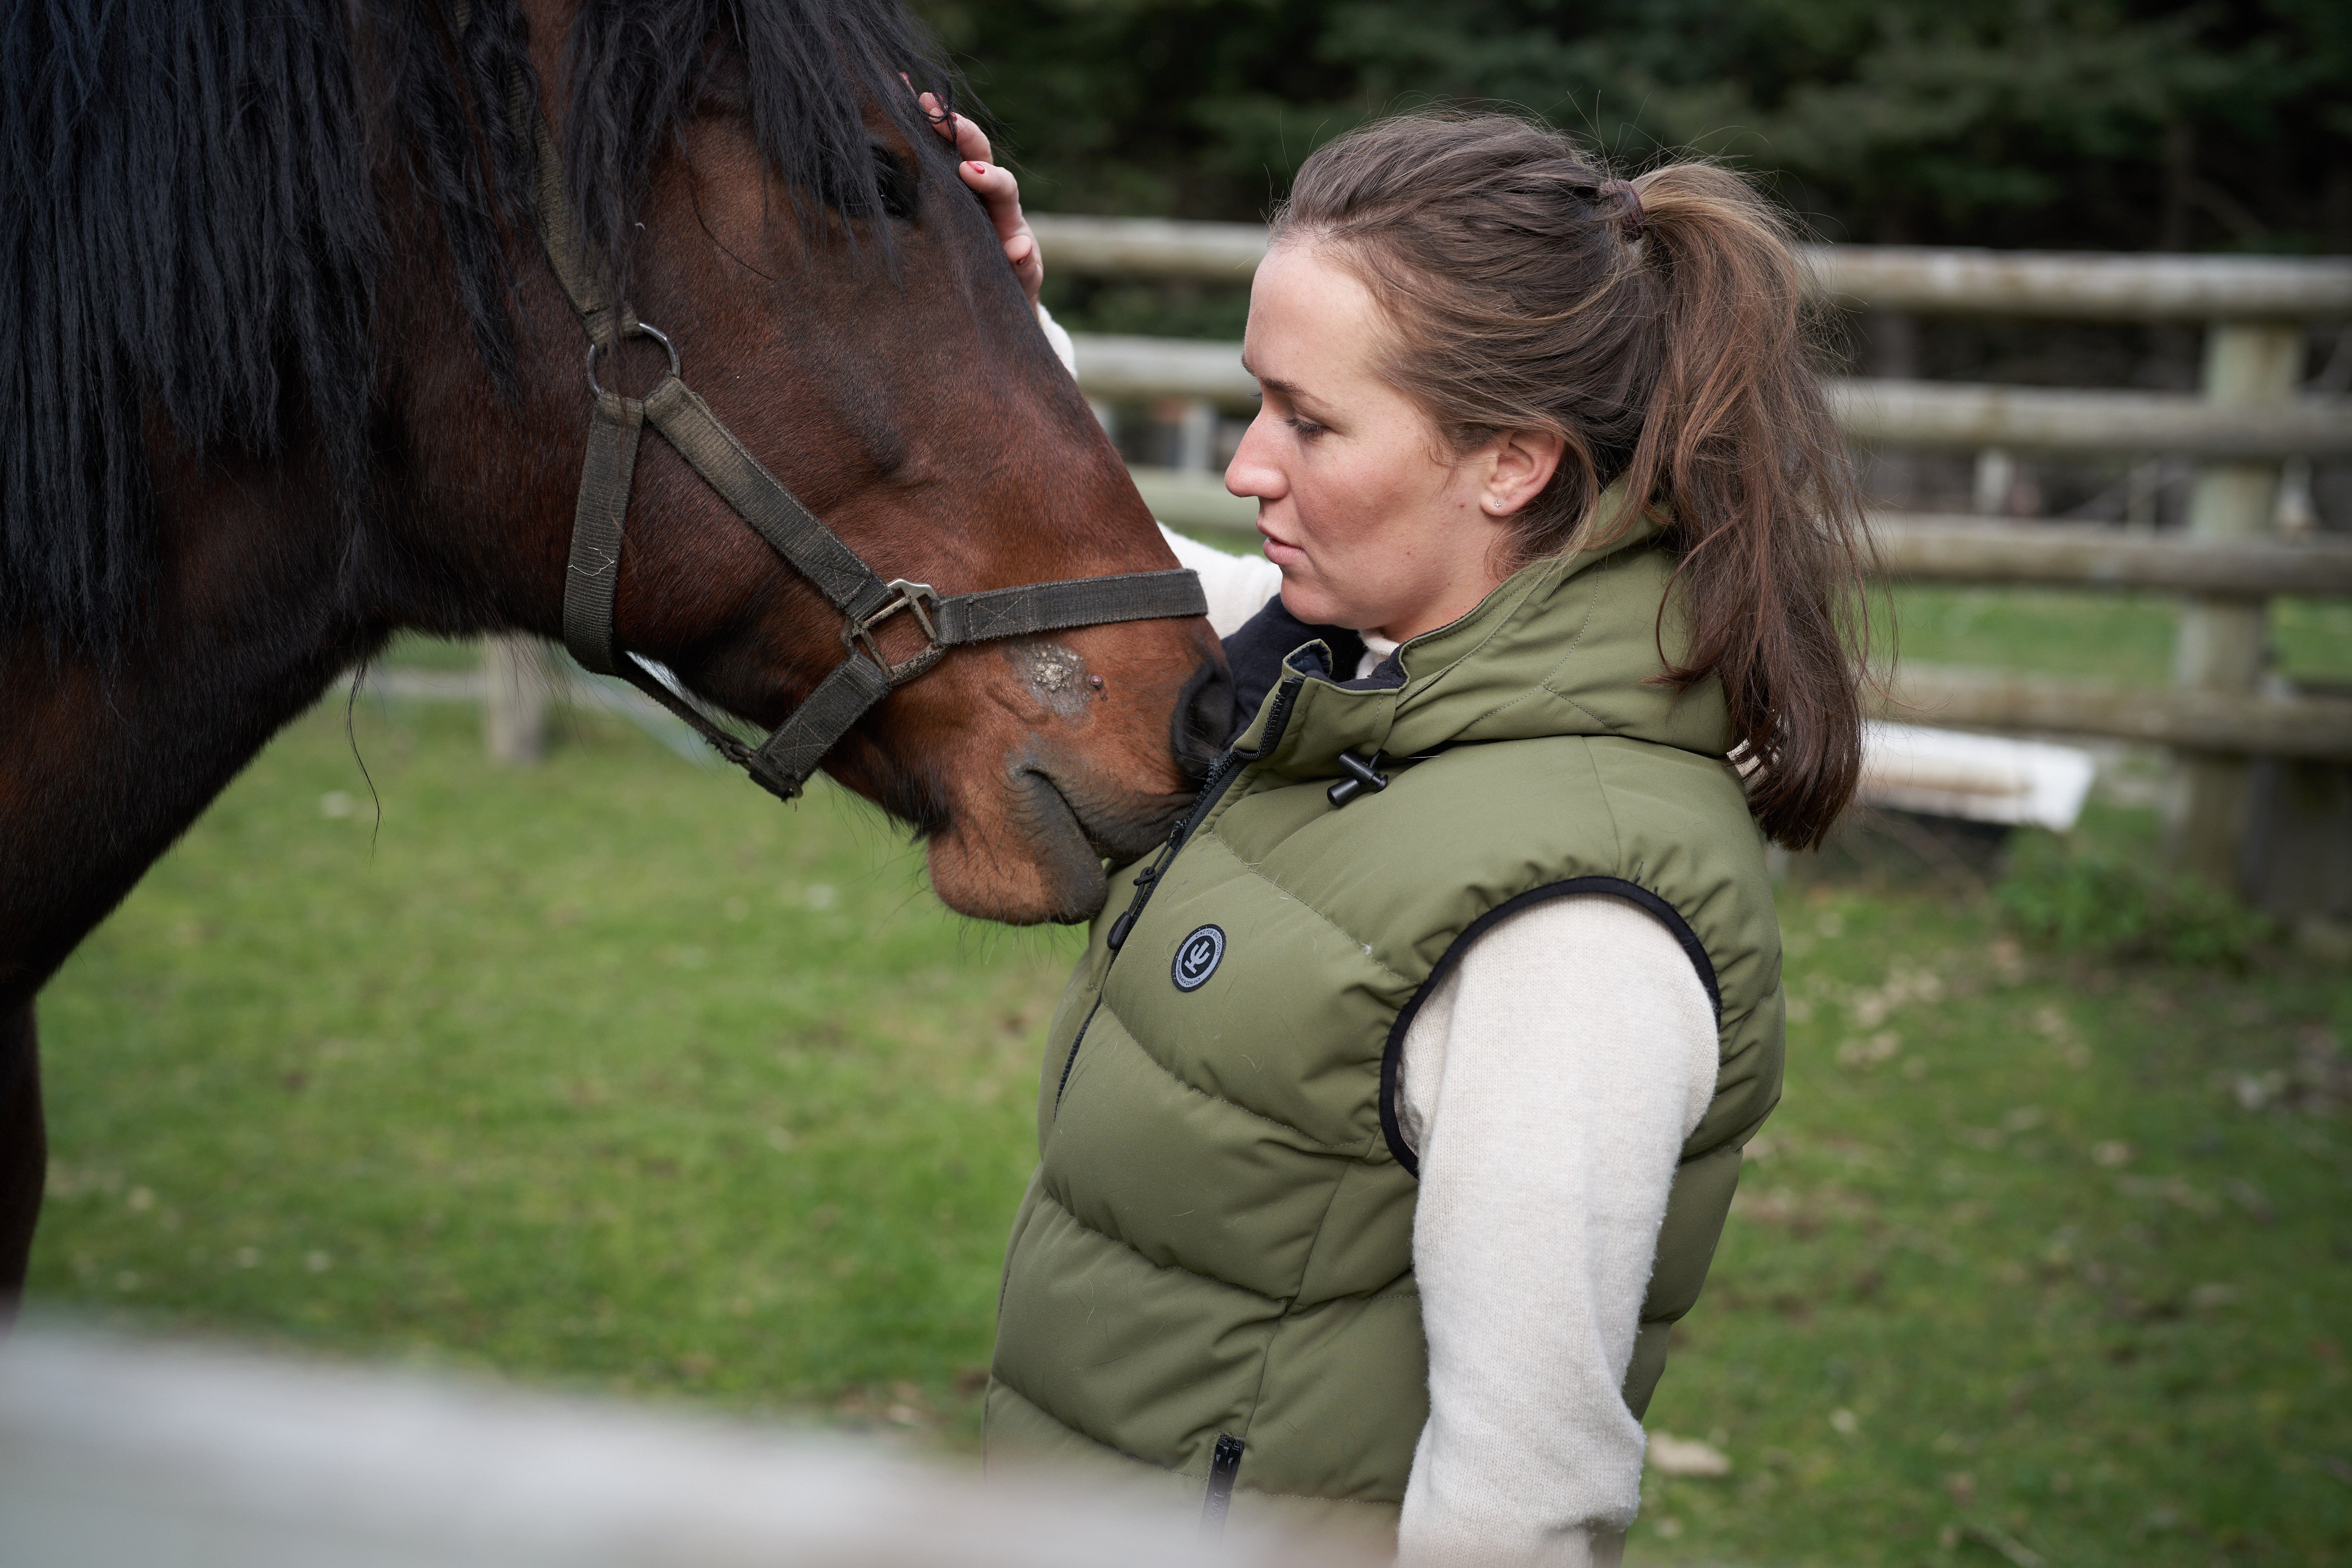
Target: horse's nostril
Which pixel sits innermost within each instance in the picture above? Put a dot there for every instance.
(1204, 719)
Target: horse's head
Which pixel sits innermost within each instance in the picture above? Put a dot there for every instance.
(772, 199)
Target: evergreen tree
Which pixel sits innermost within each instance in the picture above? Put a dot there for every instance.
(2099, 123)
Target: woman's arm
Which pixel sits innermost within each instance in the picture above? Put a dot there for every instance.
(1549, 1084)
(1238, 586)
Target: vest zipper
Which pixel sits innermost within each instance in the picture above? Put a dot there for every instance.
(1221, 778)
(1072, 1059)
(1224, 1468)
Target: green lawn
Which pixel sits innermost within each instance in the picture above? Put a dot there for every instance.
(2108, 637)
(615, 1074)
(2041, 1255)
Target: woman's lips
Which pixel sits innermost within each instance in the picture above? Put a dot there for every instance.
(1281, 551)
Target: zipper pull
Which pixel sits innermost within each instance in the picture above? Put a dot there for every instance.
(1217, 1500)
(1116, 938)
(1229, 763)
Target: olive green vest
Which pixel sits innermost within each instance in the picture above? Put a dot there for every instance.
(1212, 1273)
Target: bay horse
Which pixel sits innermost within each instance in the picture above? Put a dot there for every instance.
(287, 367)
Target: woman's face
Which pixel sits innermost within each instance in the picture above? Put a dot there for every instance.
(1375, 525)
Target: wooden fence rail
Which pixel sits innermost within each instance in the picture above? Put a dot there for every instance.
(2228, 722)
(1917, 547)
(1911, 414)
(1926, 548)
(1953, 416)
(2062, 284)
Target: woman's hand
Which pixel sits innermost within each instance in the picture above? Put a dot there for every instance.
(999, 192)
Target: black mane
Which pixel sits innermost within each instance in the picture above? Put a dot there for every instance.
(189, 224)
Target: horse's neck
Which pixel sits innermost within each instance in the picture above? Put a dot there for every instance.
(104, 762)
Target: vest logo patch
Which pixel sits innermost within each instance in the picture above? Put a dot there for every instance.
(1197, 958)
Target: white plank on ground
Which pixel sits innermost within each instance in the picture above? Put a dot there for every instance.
(1977, 778)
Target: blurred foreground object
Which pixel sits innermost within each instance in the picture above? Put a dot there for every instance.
(116, 1453)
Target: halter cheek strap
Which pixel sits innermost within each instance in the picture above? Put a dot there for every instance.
(784, 762)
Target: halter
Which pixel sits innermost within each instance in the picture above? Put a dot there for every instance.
(784, 763)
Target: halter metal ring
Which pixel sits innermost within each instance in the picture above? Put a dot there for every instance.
(642, 330)
(858, 635)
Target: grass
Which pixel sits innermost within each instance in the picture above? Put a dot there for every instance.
(2109, 637)
(614, 1073)
(2042, 1258)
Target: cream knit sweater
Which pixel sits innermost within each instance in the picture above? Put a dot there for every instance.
(1549, 1084)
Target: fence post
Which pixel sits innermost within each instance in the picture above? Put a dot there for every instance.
(1196, 436)
(1996, 481)
(514, 708)
(2223, 643)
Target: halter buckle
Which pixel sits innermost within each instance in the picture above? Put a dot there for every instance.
(858, 636)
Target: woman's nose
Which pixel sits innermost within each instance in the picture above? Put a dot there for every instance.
(1251, 472)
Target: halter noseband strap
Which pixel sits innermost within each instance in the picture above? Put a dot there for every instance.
(864, 675)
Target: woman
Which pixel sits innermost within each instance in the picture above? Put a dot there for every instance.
(1391, 1116)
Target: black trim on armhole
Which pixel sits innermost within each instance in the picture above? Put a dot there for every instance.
(1392, 1057)
(1225, 1464)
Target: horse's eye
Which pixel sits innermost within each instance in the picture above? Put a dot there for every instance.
(896, 181)
(727, 90)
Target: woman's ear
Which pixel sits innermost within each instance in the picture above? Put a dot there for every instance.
(1519, 464)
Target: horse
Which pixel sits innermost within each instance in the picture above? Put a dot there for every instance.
(294, 296)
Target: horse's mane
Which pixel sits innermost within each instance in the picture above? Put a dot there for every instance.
(190, 223)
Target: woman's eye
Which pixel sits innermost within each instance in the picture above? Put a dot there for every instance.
(1307, 429)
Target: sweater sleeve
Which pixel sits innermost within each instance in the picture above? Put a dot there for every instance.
(1549, 1085)
(1058, 337)
(1237, 586)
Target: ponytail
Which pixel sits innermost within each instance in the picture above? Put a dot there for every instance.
(1658, 327)
(1741, 455)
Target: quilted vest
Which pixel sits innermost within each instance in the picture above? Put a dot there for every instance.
(1210, 1276)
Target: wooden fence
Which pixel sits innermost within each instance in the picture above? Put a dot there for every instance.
(2232, 724)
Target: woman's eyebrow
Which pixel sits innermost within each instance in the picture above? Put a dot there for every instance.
(1289, 389)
